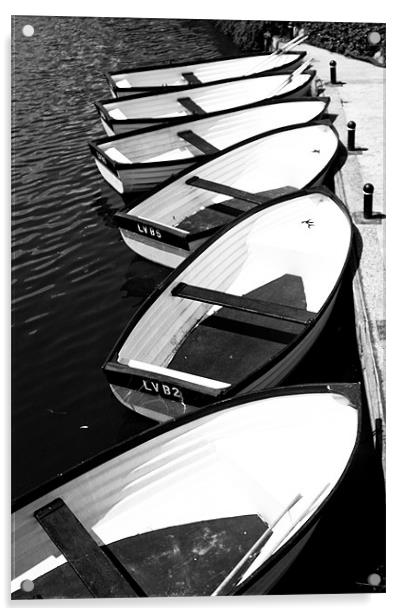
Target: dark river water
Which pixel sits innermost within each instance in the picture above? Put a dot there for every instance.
(75, 284)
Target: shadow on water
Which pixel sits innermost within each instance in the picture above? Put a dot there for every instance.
(74, 282)
(349, 543)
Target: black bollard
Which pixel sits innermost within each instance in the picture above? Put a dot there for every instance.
(351, 135)
(332, 71)
(368, 190)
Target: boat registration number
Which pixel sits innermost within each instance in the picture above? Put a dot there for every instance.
(149, 230)
(162, 389)
(101, 158)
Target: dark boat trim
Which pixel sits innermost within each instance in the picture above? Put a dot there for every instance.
(90, 563)
(158, 89)
(176, 388)
(155, 231)
(114, 166)
(205, 159)
(351, 390)
(354, 396)
(253, 376)
(265, 103)
(159, 232)
(159, 123)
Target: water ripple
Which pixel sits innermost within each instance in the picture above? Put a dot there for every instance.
(74, 283)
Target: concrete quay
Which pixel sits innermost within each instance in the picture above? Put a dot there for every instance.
(359, 96)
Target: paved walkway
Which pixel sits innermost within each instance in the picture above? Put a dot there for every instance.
(360, 96)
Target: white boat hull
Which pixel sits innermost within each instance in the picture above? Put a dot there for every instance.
(272, 378)
(139, 112)
(143, 160)
(149, 492)
(292, 252)
(174, 77)
(295, 157)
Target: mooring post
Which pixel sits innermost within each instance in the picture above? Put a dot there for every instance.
(368, 190)
(351, 135)
(332, 71)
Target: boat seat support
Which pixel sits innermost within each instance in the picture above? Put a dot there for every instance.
(90, 562)
(190, 105)
(223, 189)
(191, 78)
(247, 304)
(236, 207)
(198, 142)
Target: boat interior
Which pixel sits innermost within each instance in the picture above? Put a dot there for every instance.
(199, 200)
(210, 135)
(204, 99)
(184, 514)
(202, 72)
(249, 293)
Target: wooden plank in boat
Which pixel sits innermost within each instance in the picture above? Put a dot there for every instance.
(224, 189)
(191, 78)
(238, 343)
(218, 214)
(235, 207)
(269, 309)
(89, 561)
(191, 106)
(198, 142)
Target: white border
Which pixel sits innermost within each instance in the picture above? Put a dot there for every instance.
(340, 10)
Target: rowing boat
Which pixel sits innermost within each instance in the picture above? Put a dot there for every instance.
(218, 503)
(143, 110)
(240, 313)
(140, 160)
(180, 76)
(176, 218)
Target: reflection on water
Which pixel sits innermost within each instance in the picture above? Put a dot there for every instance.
(74, 282)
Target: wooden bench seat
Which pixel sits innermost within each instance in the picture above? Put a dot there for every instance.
(198, 142)
(191, 106)
(239, 302)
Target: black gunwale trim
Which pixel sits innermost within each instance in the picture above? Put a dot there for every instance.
(99, 106)
(196, 166)
(236, 388)
(299, 55)
(161, 65)
(355, 399)
(265, 103)
(179, 238)
(196, 395)
(138, 439)
(159, 123)
(183, 242)
(111, 165)
(114, 166)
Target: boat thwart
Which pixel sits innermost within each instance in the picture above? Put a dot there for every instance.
(178, 512)
(173, 220)
(140, 111)
(139, 160)
(238, 314)
(180, 76)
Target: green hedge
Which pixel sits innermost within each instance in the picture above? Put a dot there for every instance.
(347, 38)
